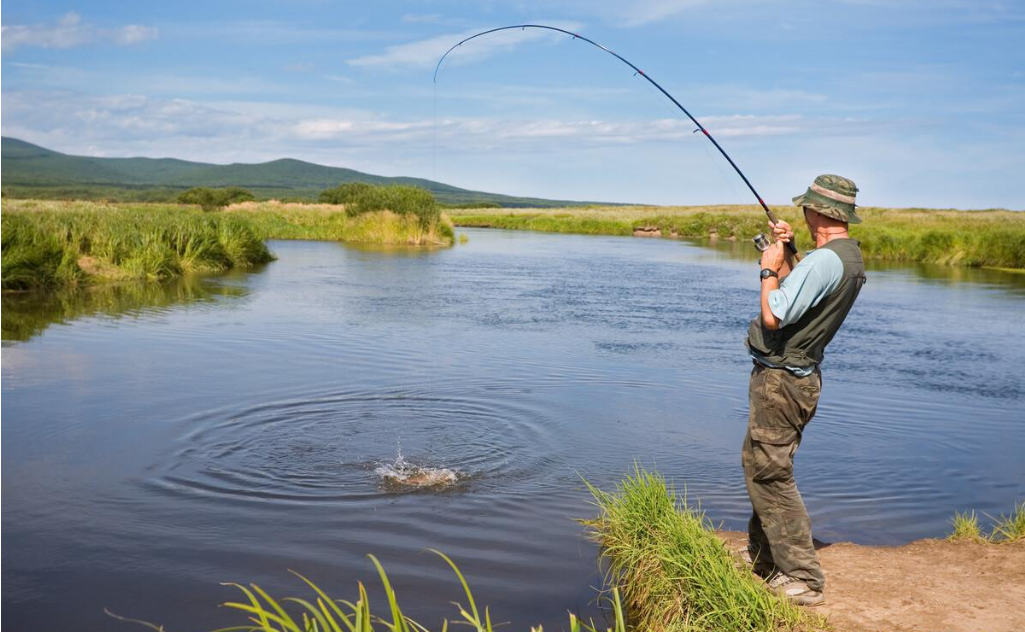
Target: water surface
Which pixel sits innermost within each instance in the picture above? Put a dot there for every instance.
(159, 442)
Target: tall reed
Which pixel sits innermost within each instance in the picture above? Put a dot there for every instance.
(321, 613)
(54, 244)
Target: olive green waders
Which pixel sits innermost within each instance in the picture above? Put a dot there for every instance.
(781, 405)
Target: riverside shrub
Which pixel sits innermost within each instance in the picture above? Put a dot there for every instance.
(213, 199)
(360, 198)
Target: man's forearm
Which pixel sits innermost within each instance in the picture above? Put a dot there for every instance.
(768, 318)
(774, 258)
(788, 266)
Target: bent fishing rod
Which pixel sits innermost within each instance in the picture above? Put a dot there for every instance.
(637, 71)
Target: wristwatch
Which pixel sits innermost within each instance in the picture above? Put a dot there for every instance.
(768, 272)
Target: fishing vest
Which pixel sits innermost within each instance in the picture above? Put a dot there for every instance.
(802, 344)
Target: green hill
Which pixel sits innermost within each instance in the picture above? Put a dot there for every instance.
(31, 171)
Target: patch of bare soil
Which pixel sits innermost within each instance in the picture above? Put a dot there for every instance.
(647, 231)
(925, 586)
(94, 267)
(276, 205)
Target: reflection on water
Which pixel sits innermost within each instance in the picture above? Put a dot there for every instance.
(178, 437)
(28, 314)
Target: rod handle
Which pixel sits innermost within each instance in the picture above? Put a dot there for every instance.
(773, 219)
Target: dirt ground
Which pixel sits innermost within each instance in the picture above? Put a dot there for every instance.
(925, 586)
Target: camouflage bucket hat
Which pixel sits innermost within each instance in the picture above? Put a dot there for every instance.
(831, 196)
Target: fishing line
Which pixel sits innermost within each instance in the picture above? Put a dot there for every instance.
(637, 71)
(434, 145)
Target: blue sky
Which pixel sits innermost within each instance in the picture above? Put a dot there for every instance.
(921, 102)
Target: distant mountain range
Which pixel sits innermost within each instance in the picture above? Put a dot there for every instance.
(31, 171)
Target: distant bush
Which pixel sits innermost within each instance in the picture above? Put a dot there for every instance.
(346, 193)
(360, 198)
(212, 199)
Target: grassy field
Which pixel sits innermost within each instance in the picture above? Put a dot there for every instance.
(61, 244)
(968, 238)
(276, 220)
(47, 244)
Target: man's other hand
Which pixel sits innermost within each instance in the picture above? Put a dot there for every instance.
(772, 257)
(781, 231)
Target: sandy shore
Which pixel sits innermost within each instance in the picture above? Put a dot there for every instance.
(925, 586)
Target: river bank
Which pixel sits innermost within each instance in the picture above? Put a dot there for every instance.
(667, 569)
(61, 244)
(991, 238)
(922, 586)
(675, 571)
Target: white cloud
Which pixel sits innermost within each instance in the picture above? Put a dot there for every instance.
(426, 52)
(70, 31)
(593, 158)
(132, 34)
(283, 128)
(279, 32)
(640, 12)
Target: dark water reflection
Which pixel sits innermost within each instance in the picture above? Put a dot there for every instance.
(230, 429)
(28, 314)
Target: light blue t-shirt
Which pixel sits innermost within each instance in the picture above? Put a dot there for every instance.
(811, 280)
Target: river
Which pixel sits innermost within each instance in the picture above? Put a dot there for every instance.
(161, 440)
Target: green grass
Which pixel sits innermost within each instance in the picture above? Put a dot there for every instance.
(970, 238)
(359, 198)
(319, 612)
(966, 528)
(55, 244)
(275, 220)
(60, 244)
(673, 571)
(1009, 528)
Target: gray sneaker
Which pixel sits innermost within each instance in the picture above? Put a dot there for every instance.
(796, 590)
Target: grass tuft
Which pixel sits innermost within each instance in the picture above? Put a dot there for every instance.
(966, 528)
(321, 613)
(673, 571)
(1010, 528)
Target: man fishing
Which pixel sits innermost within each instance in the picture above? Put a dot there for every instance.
(802, 307)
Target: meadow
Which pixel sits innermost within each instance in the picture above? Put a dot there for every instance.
(994, 238)
(48, 244)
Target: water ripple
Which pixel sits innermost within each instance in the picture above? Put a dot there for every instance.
(329, 448)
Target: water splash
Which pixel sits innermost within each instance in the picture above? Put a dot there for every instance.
(404, 474)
